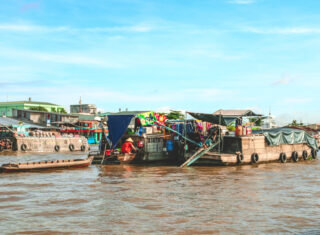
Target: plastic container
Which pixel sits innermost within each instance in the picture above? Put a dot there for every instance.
(249, 131)
(169, 145)
(239, 130)
(140, 144)
(142, 130)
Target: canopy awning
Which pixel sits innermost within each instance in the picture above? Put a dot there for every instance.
(117, 126)
(214, 119)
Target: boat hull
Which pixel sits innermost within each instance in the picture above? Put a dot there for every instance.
(46, 165)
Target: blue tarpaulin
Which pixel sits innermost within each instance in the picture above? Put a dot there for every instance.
(117, 126)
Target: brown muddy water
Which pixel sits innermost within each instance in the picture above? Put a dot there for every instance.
(270, 198)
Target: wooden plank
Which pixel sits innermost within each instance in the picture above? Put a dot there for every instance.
(199, 154)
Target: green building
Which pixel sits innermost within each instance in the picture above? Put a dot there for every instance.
(6, 107)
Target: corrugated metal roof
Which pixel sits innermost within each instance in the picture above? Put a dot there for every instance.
(46, 112)
(128, 113)
(235, 112)
(27, 102)
(5, 121)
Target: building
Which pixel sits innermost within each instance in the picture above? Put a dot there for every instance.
(315, 126)
(269, 122)
(83, 108)
(43, 118)
(7, 107)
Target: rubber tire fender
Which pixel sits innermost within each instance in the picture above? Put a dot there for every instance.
(23, 147)
(71, 147)
(254, 158)
(314, 153)
(283, 157)
(239, 158)
(305, 155)
(57, 148)
(83, 148)
(294, 156)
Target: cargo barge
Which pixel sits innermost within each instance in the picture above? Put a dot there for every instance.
(258, 148)
(28, 138)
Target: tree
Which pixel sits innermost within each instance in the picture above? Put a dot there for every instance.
(62, 110)
(175, 115)
(39, 108)
(257, 121)
(53, 109)
(294, 123)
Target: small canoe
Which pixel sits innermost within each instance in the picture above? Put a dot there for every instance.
(44, 165)
(126, 157)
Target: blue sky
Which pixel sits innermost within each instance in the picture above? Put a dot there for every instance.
(197, 55)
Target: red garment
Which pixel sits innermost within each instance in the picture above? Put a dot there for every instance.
(127, 147)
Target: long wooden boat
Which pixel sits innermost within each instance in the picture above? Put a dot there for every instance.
(251, 149)
(45, 165)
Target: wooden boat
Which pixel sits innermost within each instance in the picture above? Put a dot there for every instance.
(45, 165)
(117, 158)
(250, 149)
(126, 157)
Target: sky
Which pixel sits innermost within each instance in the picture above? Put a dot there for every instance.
(195, 55)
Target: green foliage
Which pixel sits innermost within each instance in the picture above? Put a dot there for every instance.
(175, 115)
(257, 121)
(53, 109)
(62, 110)
(39, 108)
(295, 123)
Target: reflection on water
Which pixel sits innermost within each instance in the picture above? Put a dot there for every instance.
(124, 199)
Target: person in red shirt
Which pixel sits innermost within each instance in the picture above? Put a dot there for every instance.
(127, 146)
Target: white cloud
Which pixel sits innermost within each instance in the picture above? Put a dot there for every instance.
(139, 28)
(61, 58)
(306, 117)
(165, 109)
(69, 92)
(242, 2)
(296, 100)
(286, 30)
(211, 53)
(31, 28)
(284, 81)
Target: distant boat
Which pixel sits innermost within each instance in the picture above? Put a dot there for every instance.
(45, 165)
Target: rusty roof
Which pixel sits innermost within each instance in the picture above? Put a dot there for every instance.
(235, 112)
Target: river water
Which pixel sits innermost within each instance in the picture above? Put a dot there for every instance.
(270, 198)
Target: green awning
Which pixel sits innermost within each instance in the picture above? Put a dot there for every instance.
(278, 136)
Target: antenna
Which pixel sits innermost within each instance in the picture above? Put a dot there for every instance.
(80, 102)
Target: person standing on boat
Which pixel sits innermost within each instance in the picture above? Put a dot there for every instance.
(137, 125)
(128, 146)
